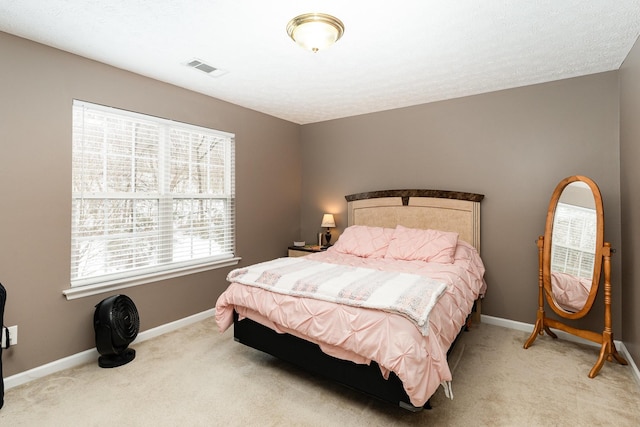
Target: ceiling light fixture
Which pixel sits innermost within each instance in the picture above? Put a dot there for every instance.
(315, 31)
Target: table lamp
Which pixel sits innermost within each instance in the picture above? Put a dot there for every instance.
(329, 222)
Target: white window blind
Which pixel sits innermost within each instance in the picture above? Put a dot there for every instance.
(574, 244)
(149, 195)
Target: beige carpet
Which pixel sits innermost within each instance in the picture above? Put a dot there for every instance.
(197, 377)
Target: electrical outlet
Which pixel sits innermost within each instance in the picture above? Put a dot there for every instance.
(13, 335)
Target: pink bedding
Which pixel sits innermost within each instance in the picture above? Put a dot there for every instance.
(362, 335)
(570, 292)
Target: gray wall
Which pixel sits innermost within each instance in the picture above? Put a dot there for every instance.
(513, 146)
(37, 86)
(630, 195)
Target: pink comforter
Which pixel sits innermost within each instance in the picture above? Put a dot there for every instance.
(362, 335)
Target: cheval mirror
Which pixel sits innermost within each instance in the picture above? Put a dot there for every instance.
(571, 255)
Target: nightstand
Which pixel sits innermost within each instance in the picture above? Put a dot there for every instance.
(295, 251)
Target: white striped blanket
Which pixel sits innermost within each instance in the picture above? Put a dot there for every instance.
(410, 295)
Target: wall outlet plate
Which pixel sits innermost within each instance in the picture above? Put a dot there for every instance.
(13, 335)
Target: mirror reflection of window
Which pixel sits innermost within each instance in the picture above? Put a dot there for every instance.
(573, 250)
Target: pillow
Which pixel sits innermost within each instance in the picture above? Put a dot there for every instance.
(465, 251)
(411, 244)
(364, 241)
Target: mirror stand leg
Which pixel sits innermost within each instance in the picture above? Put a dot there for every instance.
(609, 352)
(596, 368)
(551, 334)
(621, 360)
(537, 330)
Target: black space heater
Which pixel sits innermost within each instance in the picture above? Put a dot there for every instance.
(116, 324)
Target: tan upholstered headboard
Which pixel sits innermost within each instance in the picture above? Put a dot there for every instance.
(427, 209)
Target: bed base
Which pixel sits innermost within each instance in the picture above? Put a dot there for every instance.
(309, 357)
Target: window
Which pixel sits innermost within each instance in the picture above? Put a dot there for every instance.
(151, 197)
(574, 245)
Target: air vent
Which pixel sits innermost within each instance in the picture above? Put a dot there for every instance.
(206, 68)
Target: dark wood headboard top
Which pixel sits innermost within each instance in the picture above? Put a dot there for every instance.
(406, 194)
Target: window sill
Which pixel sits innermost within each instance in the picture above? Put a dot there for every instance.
(99, 288)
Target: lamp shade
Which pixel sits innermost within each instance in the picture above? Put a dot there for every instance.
(315, 31)
(328, 221)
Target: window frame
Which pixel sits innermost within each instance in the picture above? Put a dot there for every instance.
(161, 270)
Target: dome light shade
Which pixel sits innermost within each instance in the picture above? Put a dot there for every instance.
(315, 31)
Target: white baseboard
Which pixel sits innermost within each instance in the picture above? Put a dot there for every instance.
(528, 327)
(92, 355)
(634, 368)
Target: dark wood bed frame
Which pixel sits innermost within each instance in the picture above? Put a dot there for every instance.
(368, 378)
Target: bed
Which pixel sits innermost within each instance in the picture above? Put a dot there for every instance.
(398, 355)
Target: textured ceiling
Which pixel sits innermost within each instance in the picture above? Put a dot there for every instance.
(393, 54)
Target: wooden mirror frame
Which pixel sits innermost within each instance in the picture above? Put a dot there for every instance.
(548, 240)
(544, 324)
